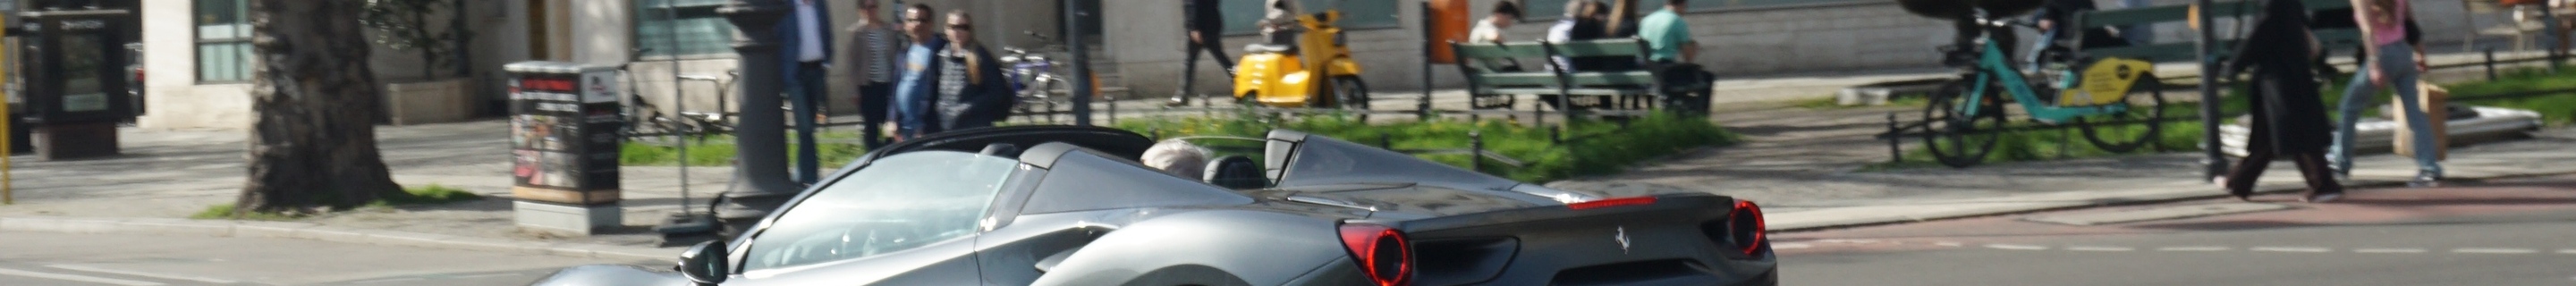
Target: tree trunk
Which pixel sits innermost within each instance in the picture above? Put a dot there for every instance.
(314, 142)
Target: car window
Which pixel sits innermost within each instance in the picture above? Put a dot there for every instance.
(896, 203)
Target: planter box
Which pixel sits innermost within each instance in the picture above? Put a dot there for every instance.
(443, 101)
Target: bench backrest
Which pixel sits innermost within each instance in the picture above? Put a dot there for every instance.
(1487, 64)
(1631, 48)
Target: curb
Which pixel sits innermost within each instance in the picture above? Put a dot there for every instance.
(1874, 215)
(1996, 207)
(1991, 208)
(310, 231)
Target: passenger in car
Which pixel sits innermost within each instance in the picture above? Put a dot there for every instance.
(1178, 157)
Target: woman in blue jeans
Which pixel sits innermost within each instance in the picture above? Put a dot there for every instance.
(2392, 61)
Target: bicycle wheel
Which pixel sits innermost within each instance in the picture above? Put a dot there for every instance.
(1350, 93)
(2116, 132)
(1957, 139)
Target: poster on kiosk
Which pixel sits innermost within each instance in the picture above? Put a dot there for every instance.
(73, 82)
(564, 134)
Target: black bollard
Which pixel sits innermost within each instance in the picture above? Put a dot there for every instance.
(1476, 151)
(1895, 154)
(2491, 72)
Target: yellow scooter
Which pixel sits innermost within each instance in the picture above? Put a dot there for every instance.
(1284, 76)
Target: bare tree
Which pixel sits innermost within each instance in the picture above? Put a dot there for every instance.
(313, 146)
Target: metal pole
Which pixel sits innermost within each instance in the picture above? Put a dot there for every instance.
(1081, 50)
(679, 104)
(2213, 162)
(1422, 106)
(761, 134)
(8, 141)
(8, 195)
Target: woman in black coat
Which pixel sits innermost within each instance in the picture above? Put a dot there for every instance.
(2289, 112)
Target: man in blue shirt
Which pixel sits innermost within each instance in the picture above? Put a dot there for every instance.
(1668, 39)
(916, 91)
(1669, 45)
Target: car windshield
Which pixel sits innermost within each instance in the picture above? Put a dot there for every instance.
(896, 203)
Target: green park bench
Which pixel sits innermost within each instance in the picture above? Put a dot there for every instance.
(2180, 51)
(1494, 73)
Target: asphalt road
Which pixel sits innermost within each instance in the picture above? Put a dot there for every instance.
(2507, 233)
(44, 259)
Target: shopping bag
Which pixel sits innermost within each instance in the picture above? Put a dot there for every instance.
(2436, 102)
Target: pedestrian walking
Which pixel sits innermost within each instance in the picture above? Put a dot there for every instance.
(913, 91)
(872, 53)
(1205, 22)
(807, 46)
(2289, 110)
(971, 91)
(2393, 63)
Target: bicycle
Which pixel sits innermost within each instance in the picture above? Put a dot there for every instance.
(645, 120)
(1964, 120)
(720, 121)
(1033, 78)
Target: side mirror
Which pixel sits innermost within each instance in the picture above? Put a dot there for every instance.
(705, 263)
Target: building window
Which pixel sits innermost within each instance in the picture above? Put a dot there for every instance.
(1240, 16)
(223, 41)
(666, 28)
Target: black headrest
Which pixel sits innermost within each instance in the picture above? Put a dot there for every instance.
(1236, 172)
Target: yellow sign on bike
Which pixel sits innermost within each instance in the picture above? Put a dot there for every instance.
(2106, 82)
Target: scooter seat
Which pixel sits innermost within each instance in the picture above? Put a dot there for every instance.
(1269, 48)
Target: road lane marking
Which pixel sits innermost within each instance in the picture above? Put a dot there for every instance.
(395, 279)
(1790, 246)
(2388, 250)
(2099, 248)
(2567, 251)
(2292, 249)
(1957, 244)
(141, 273)
(58, 276)
(2016, 247)
(2193, 248)
(2495, 250)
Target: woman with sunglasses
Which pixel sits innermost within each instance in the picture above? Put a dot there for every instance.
(971, 91)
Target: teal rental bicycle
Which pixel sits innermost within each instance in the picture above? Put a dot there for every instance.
(1966, 117)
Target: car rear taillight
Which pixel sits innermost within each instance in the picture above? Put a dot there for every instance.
(1381, 253)
(1745, 228)
(1611, 202)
